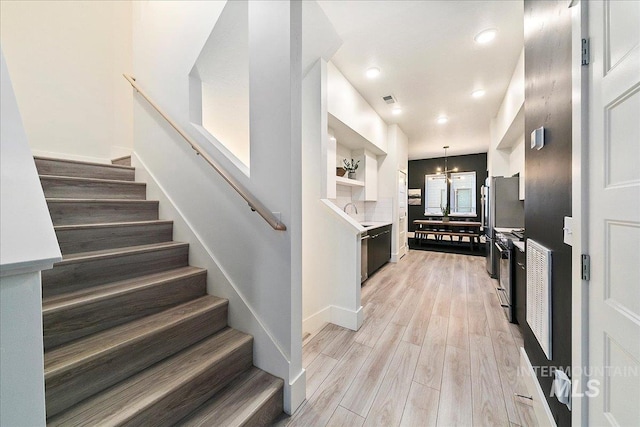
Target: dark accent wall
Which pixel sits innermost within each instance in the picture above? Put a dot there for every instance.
(548, 172)
(468, 163)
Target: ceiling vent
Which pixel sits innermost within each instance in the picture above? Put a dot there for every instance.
(390, 99)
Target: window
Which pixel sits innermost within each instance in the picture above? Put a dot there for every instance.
(435, 194)
(463, 193)
(461, 196)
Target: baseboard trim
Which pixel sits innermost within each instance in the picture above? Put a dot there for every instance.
(295, 392)
(316, 321)
(540, 405)
(347, 318)
(333, 314)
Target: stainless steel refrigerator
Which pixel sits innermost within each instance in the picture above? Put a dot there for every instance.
(501, 208)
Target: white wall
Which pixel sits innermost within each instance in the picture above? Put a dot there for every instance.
(261, 264)
(388, 166)
(507, 128)
(346, 104)
(28, 241)
(331, 245)
(22, 361)
(67, 60)
(506, 153)
(223, 72)
(28, 245)
(497, 160)
(516, 162)
(513, 100)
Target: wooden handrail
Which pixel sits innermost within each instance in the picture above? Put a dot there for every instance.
(254, 203)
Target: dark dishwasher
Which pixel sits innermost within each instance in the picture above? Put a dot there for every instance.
(379, 251)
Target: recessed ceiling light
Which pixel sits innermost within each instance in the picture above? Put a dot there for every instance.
(373, 72)
(486, 36)
(396, 111)
(442, 120)
(478, 93)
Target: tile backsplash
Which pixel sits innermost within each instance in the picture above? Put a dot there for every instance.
(344, 196)
(382, 210)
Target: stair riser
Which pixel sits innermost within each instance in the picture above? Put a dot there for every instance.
(67, 387)
(125, 161)
(82, 212)
(188, 397)
(62, 188)
(72, 241)
(70, 277)
(64, 168)
(253, 398)
(271, 409)
(68, 324)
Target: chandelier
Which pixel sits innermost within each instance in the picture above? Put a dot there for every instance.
(446, 171)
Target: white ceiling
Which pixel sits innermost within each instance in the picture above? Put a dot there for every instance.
(431, 64)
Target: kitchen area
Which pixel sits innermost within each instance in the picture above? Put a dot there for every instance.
(504, 241)
(354, 223)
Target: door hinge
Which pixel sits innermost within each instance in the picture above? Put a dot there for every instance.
(586, 267)
(585, 51)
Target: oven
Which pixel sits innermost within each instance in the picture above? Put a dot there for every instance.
(505, 283)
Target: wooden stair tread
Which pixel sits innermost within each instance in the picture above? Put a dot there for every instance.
(73, 299)
(117, 252)
(124, 401)
(87, 269)
(91, 180)
(71, 211)
(74, 354)
(110, 225)
(80, 162)
(77, 238)
(63, 167)
(75, 315)
(240, 401)
(110, 201)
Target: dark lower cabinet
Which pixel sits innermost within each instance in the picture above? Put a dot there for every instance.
(379, 250)
(521, 287)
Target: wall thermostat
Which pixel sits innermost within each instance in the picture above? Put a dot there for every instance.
(537, 138)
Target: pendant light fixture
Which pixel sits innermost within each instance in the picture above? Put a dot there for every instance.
(446, 171)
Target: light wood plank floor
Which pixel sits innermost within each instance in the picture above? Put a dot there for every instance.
(435, 349)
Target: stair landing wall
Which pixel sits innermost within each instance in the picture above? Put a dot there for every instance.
(258, 266)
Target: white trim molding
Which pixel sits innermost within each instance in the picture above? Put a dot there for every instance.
(540, 405)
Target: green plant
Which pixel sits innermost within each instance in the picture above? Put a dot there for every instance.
(350, 166)
(445, 209)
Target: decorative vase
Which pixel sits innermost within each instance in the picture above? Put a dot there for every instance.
(352, 175)
(445, 219)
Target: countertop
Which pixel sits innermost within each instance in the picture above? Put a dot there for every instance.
(371, 225)
(503, 230)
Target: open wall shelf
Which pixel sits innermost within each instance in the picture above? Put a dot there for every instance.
(340, 180)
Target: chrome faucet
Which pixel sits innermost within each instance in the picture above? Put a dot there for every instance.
(351, 204)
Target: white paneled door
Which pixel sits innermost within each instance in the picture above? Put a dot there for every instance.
(402, 214)
(614, 213)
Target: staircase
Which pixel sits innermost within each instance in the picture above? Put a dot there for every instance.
(130, 335)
